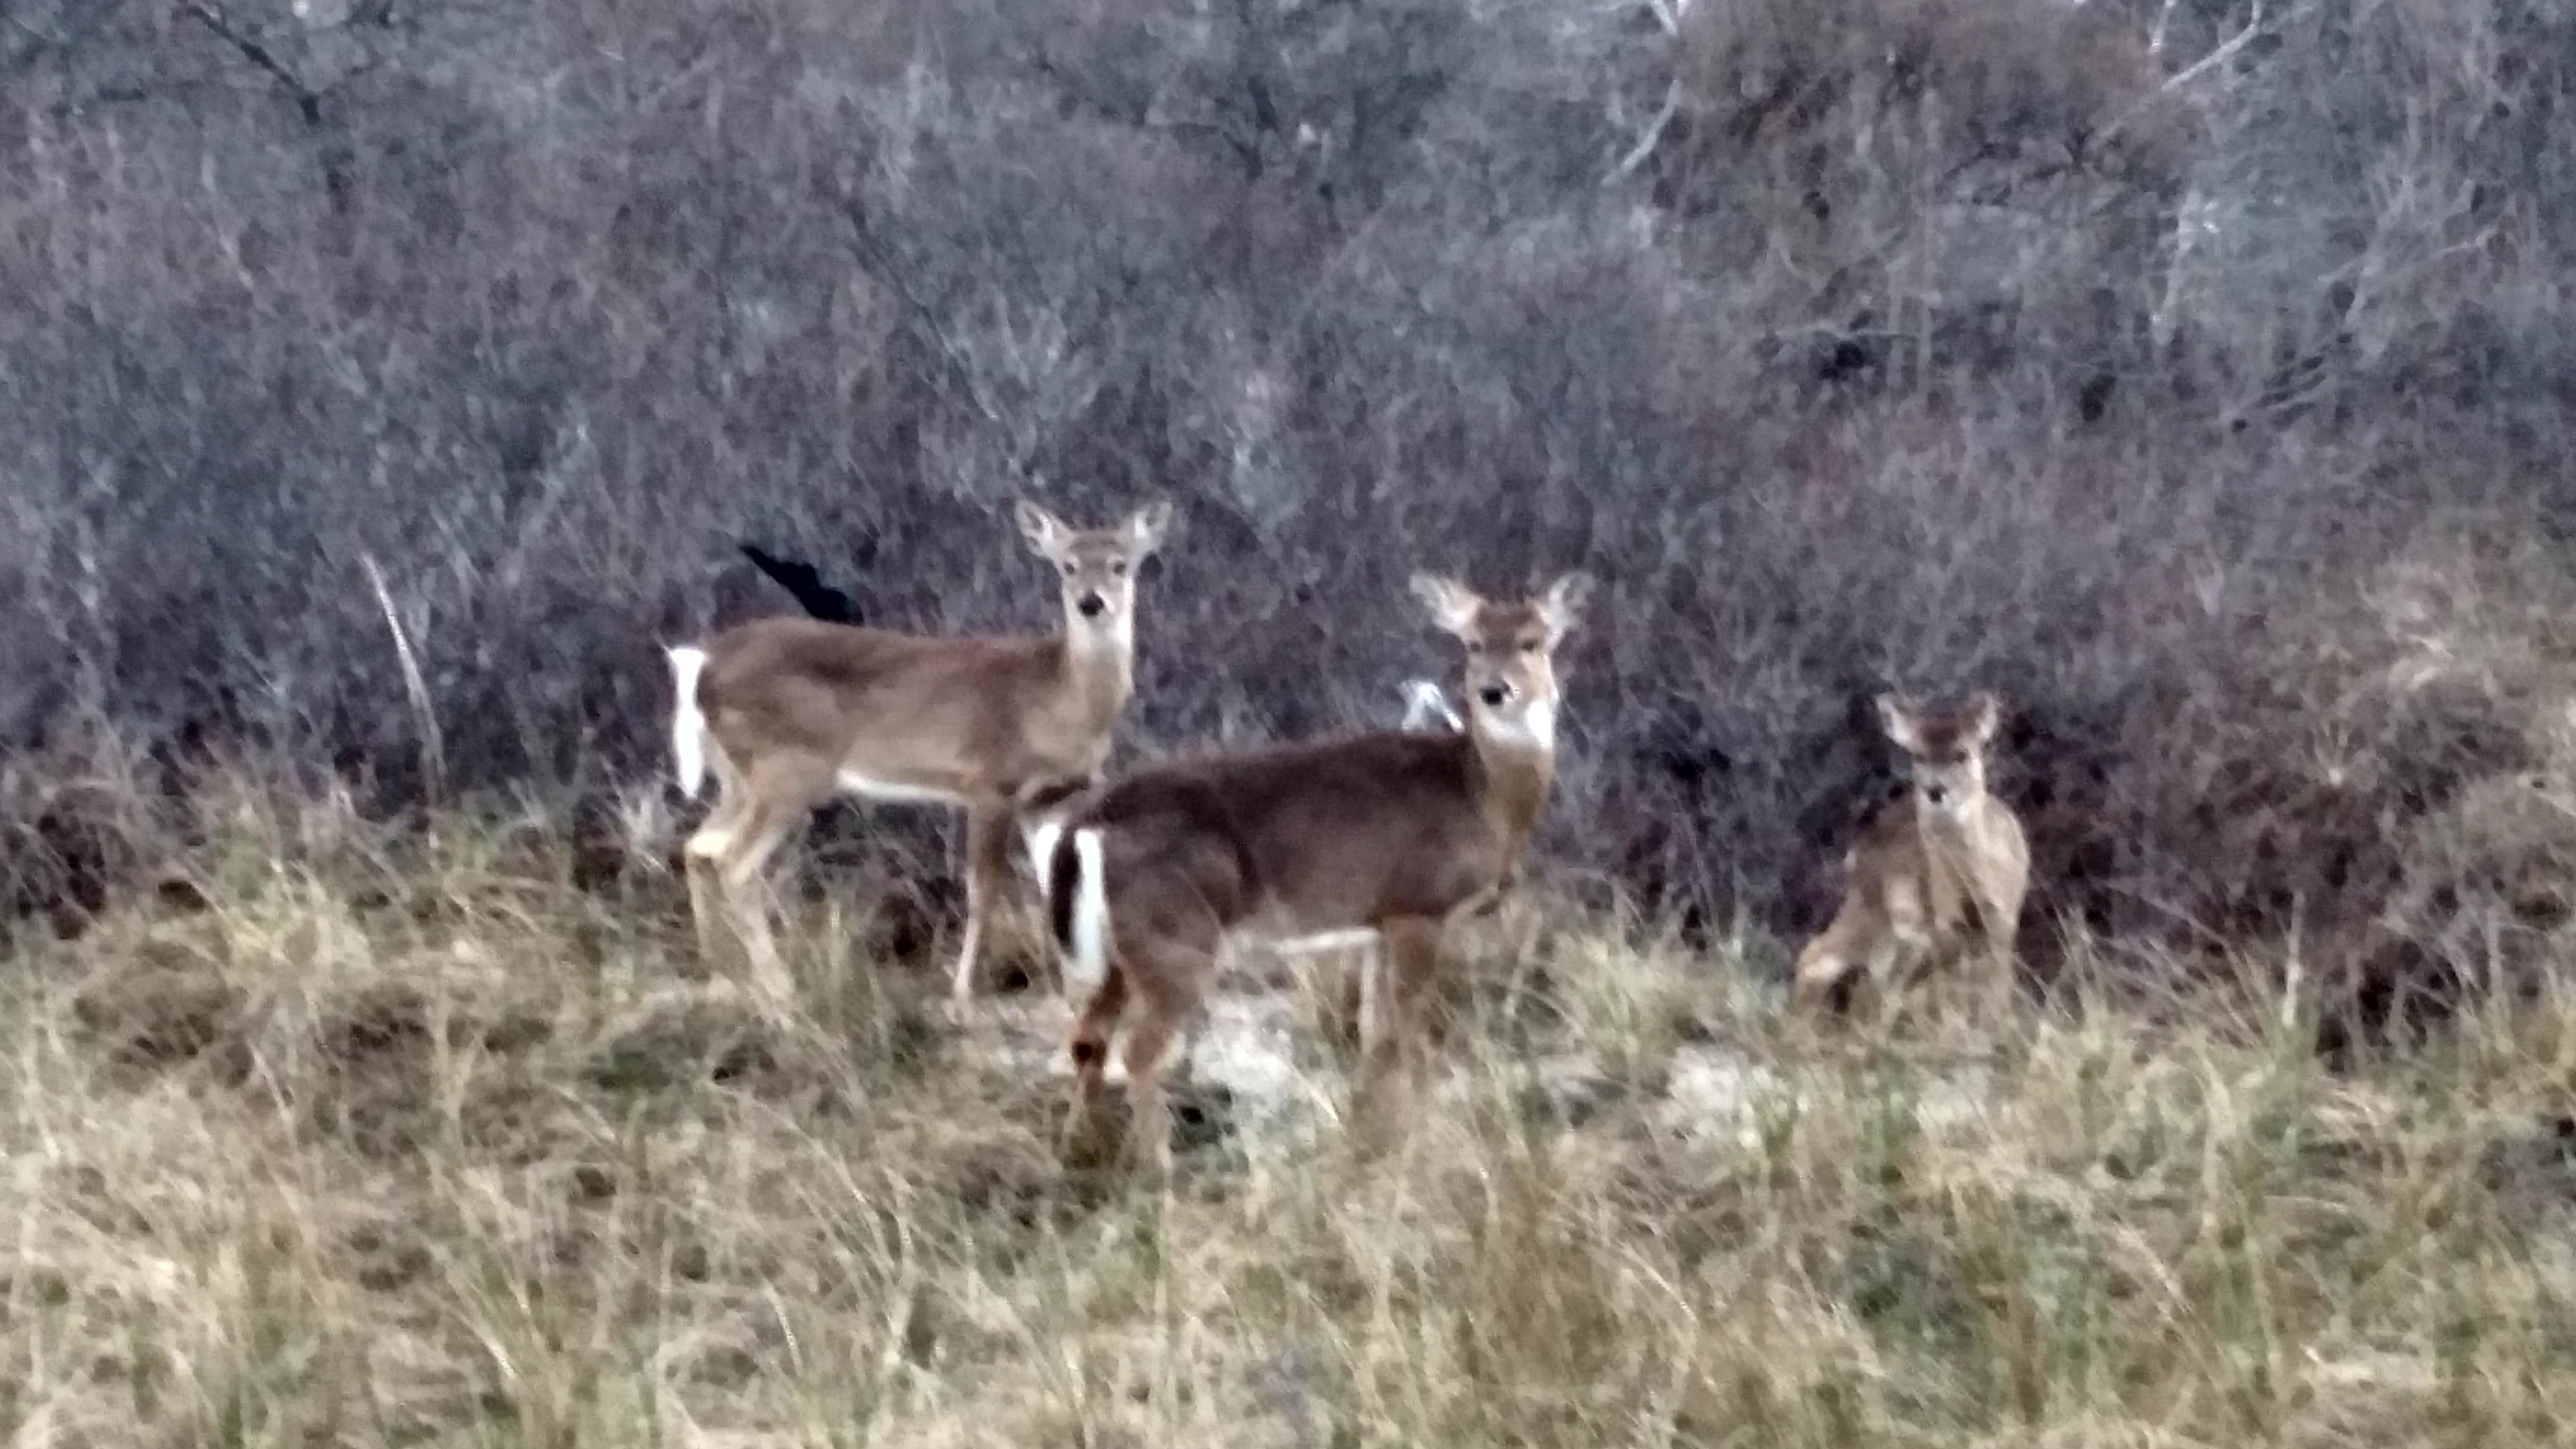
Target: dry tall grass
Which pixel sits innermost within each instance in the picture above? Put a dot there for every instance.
(371, 1140)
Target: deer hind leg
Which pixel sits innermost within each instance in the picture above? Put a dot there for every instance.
(702, 858)
(1152, 1044)
(1355, 998)
(1392, 1061)
(1089, 1048)
(775, 803)
(989, 832)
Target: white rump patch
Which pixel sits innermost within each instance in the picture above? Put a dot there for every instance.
(1041, 837)
(1088, 962)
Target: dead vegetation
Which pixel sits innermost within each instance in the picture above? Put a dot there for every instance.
(394, 1143)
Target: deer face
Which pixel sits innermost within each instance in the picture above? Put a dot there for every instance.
(1510, 683)
(1945, 752)
(1096, 568)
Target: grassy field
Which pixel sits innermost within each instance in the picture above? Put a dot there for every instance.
(359, 1140)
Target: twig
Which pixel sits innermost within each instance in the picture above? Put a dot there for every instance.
(433, 751)
(308, 102)
(335, 156)
(2191, 74)
(2162, 30)
(1645, 146)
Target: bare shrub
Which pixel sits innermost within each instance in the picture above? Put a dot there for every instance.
(2110, 355)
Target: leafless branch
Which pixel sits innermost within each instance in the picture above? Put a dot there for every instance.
(308, 101)
(1646, 143)
(433, 752)
(2181, 81)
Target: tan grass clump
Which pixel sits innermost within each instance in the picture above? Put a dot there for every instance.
(401, 1145)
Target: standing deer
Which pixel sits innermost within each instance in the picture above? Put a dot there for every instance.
(791, 712)
(1383, 838)
(1938, 872)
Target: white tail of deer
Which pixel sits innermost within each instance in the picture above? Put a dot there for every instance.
(792, 711)
(1938, 873)
(688, 722)
(1383, 838)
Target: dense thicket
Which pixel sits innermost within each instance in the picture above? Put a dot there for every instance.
(2195, 372)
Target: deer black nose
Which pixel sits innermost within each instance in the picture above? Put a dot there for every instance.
(1090, 605)
(1936, 793)
(1493, 695)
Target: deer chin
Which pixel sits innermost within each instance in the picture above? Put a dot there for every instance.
(1530, 728)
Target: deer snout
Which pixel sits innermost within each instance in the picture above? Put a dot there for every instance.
(1090, 604)
(1936, 795)
(1494, 694)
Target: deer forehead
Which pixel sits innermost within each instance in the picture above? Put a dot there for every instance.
(1095, 551)
(1945, 738)
(1502, 626)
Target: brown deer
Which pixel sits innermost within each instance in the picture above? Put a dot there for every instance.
(791, 712)
(1938, 872)
(1383, 838)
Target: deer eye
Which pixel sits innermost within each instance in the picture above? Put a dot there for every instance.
(1118, 570)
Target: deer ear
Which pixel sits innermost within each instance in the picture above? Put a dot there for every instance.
(1147, 526)
(1045, 532)
(1452, 604)
(1896, 717)
(1984, 712)
(1563, 603)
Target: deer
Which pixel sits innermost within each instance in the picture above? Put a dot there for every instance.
(790, 712)
(1383, 839)
(1938, 873)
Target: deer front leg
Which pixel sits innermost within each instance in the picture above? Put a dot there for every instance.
(990, 829)
(2001, 951)
(1392, 1065)
(1825, 964)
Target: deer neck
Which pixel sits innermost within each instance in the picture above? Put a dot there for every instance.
(1513, 774)
(1945, 834)
(1099, 667)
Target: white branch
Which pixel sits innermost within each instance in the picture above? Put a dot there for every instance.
(2193, 73)
(433, 755)
(1645, 146)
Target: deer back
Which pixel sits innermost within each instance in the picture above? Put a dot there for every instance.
(937, 713)
(1309, 838)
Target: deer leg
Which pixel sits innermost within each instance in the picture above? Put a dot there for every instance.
(2003, 964)
(1890, 967)
(1167, 976)
(771, 813)
(1391, 1064)
(1822, 966)
(702, 857)
(989, 831)
(1089, 1048)
(1148, 1053)
(1355, 1026)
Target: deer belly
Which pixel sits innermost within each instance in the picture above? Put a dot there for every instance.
(894, 792)
(1313, 942)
